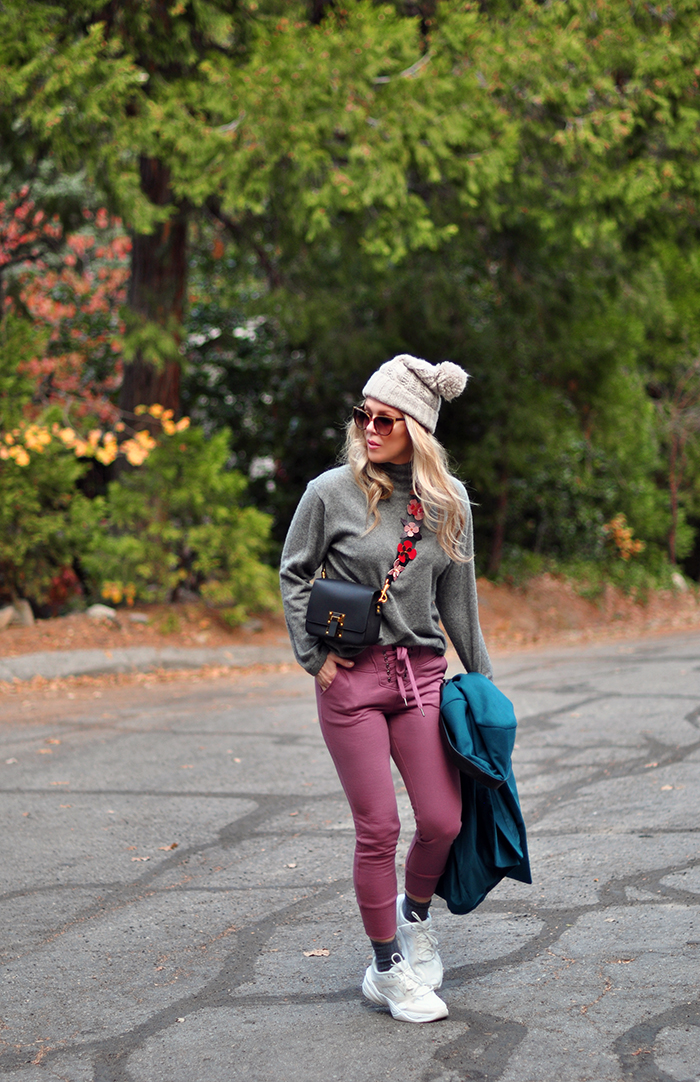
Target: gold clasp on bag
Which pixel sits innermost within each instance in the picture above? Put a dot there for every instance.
(334, 626)
(384, 594)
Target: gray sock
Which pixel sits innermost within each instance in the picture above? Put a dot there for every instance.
(411, 906)
(383, 953)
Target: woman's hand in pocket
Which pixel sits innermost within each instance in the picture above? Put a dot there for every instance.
(328, 671)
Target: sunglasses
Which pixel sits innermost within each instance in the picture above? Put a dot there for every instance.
(383, 426)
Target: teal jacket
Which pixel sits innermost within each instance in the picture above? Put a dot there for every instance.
(478, 724)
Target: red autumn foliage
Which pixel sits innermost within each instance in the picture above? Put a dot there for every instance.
(64, 585)
(72, 288)
(25, 231)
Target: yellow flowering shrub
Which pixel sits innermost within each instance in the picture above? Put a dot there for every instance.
(182, 521)
(47, 525)
(619, 534)
(30, 438)
(118, 591)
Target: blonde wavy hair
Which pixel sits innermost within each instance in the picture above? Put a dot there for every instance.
(443, 508)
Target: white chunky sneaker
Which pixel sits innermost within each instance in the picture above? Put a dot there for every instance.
(403, 993)
(419, 946)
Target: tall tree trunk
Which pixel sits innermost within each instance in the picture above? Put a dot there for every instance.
(318, 10)
(673, 484)
(425, 10)
(157, 291)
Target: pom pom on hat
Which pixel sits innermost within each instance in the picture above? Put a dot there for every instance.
(451, 380)
(416, 387)
(447, 379)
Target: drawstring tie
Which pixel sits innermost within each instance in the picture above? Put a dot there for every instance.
(403, 666)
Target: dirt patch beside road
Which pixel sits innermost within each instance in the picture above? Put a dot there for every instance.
(548, 611)
(184, 625)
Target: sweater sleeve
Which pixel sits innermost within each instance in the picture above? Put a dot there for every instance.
(304, 551)
(458, 607)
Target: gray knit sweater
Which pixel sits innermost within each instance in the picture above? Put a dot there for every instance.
(330, 524)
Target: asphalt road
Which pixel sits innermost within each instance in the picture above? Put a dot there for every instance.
(127, 959)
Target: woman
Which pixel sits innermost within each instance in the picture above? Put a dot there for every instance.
(392, 510)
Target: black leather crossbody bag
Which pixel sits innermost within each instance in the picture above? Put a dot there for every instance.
(346, 612)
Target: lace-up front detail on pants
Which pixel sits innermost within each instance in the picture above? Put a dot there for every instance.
(397, 662)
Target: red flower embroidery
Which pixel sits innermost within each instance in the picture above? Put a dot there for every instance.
(406, 551)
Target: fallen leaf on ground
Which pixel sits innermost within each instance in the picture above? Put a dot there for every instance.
(291, 865)
(322, 952)
(45, 751)
(187, 766)
(173, 845)
(8, 761)
(60, 783)
(53, 741)
(65, 805)
(666, 787)
(140, 858)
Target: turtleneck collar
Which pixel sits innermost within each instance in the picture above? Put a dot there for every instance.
(400, 474)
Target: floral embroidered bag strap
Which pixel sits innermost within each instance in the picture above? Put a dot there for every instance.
(406, 548)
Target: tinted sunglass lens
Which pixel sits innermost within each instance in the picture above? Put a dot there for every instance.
(383, 426)
(360, 418)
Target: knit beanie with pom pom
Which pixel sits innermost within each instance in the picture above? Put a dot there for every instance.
(416, 387)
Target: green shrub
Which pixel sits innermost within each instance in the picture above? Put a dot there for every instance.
(45, 522)
(561, 504)
(18, 342)
(178, 522)
(590, 577)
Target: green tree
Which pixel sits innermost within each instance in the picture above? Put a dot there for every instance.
(489, 184)
(230, 104)
(678, 407)
(552, 148)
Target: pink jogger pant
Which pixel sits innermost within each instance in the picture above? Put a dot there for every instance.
(365, 722)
